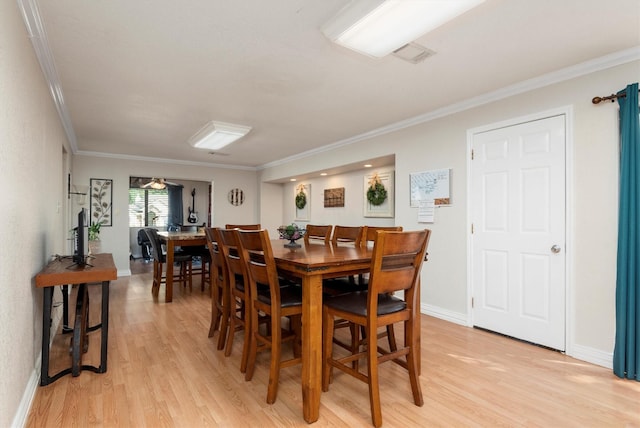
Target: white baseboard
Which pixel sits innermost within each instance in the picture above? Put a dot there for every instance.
(20, 418)
(124, 272)
(444, 314)
(591, 355)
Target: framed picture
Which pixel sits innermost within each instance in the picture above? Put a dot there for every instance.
(101, 192)
(379, 194)
(302, 199)
(334, 197)
(430, 186)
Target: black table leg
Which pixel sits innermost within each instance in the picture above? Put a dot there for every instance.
(104, 333)
(46, 335)
(65, 310)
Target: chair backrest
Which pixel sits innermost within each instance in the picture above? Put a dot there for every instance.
(395, 265)
(244, 226)
(317, 232)
(156, 245)
(370, 234)
(257, 256)
(218, 261)
(348, 234)
(231, 252)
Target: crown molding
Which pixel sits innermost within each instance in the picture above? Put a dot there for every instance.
(572, 72)
(163, 160)
(38, 36)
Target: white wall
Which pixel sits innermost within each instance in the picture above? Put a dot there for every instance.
(33, 213)
(115, 239)
(441, 143)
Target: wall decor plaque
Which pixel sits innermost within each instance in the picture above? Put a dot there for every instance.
(334, 197)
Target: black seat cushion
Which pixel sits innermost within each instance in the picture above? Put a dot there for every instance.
(342, 285)
(356, 303)
(289, 296)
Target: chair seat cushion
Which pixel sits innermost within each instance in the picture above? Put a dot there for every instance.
(343, 285)
(289, 296)
(356, 303)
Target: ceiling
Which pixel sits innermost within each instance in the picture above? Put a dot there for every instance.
(138, 78)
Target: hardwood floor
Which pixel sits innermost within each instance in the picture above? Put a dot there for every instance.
(163, 370)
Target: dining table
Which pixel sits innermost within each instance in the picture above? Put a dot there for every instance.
(312, 263)
(172, 240)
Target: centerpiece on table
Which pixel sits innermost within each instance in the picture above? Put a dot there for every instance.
(291, 232)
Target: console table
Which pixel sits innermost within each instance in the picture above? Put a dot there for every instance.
(63, 272)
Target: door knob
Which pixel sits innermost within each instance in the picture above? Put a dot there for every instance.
(555, 249)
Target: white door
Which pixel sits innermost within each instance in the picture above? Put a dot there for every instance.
(518, 216)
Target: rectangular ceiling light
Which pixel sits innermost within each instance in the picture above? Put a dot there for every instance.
(377, 28)
(216, 135)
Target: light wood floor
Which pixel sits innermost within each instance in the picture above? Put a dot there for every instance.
(163, 370)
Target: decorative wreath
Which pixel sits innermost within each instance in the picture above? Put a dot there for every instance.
(301, 200)
(376, 194)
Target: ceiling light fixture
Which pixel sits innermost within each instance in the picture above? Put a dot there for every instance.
(377, 28)
(216, 135)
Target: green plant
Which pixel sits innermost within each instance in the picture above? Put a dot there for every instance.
(94, 231)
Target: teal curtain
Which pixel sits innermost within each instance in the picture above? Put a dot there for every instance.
(626, 354)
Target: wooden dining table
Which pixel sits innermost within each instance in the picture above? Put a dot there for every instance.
(173, 240)
(312, 263)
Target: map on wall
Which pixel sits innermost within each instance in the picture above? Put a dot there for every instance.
(430, 186)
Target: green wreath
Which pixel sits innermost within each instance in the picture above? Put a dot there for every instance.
(301, 200)
(376, 194)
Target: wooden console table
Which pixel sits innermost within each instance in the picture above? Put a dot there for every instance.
(64, 272)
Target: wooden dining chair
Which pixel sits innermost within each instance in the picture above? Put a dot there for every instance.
(159, 259)
(370, 236)
(273, 299)
(395, 266)
(238, 293)
(244, 226)
(318, 233)
(219, 284)
(348, 235)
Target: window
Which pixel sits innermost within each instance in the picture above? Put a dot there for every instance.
(148, 207)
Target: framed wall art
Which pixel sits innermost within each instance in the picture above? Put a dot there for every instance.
(303, 202)
(379, 194)
(101, 191)
(334, 197)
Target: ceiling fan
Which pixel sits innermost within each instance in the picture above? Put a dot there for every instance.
(158, 184)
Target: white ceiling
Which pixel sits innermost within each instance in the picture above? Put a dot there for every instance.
(140, 77)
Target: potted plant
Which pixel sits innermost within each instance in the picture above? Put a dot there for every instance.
(94, 238)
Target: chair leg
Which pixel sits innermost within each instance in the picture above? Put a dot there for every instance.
(224, 324)
(233, 326)
(253, 346)
(374, 386)
(216, 314)
(248, 323)
(412, 365)
(276, 354)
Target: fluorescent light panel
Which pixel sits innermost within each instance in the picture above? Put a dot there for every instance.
(377, 28)
(216, 135)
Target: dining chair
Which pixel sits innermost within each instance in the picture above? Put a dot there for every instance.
(219, 284)
(238, 293)
(318, 233)
(395, 266)
(183, 275)
(201, 259)
(350, 236)
(273, 299)
(244, 226)
(370, 236)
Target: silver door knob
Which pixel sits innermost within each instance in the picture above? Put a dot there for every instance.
(555, 249)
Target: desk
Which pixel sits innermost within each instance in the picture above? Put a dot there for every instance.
(64, 272)
(178, 239)
(312, 263)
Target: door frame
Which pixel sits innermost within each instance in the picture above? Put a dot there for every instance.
(567, 111)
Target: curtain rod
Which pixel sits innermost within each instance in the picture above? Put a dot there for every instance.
(612, 97)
